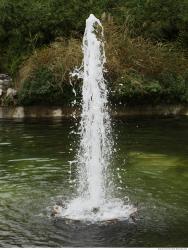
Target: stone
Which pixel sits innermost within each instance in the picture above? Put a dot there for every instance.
(111, 221)
(5, 77)
(11, 92)
(5, 81)
(57, 113)
(56, 211)
(18, 112)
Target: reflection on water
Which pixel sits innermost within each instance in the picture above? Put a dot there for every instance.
(151, 167)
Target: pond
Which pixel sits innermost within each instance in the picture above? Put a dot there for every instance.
(150, 167)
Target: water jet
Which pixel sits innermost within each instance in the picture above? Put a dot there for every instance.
(94, 201)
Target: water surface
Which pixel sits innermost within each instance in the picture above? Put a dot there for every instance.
(151, 167)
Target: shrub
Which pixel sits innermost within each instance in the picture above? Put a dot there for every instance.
(175, 87)
(168, 88)
(41, 88)
(125, 53)
(46, 74)
(139, 71)
(60, 57)
(26, 25)
(158, 20)
(133, 89)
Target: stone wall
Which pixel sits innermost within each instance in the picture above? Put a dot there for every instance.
(58, 112)
(36, 112)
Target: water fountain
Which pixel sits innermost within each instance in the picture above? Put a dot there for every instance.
(94, 201)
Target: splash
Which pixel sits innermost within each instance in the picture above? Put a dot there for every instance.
(96, 144)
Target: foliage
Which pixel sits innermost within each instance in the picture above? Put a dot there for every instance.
(60, 57)
(38, 88)
(146, 47)
(41, 88)
(45, 76)
(28, 24)
(141, 55)
(159, 20)
(132, 89)
(139, 71)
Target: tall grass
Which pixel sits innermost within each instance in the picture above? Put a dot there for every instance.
(138, 54)
(60, 57)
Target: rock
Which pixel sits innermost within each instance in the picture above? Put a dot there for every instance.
(111, 221)
(5, 77)
(7, 93)
(134, 214)
(5, 81)
(11, 92)
(56, 211)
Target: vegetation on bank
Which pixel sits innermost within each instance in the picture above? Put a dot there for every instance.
(146, 48)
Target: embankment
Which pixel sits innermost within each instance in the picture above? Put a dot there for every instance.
(58, 112)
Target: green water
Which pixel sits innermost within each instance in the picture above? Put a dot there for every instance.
(150, 166)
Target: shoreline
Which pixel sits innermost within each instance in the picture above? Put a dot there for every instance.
(68, 112)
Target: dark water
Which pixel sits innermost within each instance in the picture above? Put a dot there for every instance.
(151, 167)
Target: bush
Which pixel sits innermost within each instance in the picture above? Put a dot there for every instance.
(125, 53)
(158, 20)
(133, 89)
(168, 88)
(26, 25)
(139, 71)
(60, 57)
(41, 88)
(48, 71)
(175, 87)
